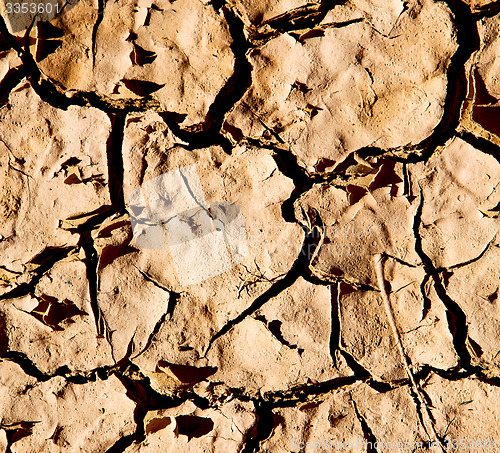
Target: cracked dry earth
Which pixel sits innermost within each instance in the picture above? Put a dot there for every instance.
(359, 140)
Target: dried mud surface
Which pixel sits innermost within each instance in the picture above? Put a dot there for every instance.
(359, 141)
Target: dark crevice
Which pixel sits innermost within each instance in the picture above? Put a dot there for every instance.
(427, 303)
(470, 261)
(91, 263)
(274, 328)
(121, 445)
(300, 18)
(400, 261)
(218, 4)
(289, 166)
(153, 334)
(481, 144)
(75, 377)
(384, 387)
(292, 397)
(94, 218)
(54, 95)
(263, 428)
(359, 370)
(486, 11)
(115, 161)
(450, 375)
(100, 15)
(487, 379)
(130, 349)
(4, 337)
(101, 373)
(208, 133)
(16, 431)
(197, 136)
(140, 391)
(193, 196)
(333, 280)
(368, 435)
(468, 42)
(335, 321)
(173, 296)
(26, 365)
(457, 321)
(362, 374)
(420, 408)
(300, 394)
(456, 90)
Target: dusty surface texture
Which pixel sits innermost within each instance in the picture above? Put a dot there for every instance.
(250, 226)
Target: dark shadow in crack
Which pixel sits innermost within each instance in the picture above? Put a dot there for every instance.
(115, 161)
(208, 132)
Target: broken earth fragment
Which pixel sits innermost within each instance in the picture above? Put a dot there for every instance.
(170, 378)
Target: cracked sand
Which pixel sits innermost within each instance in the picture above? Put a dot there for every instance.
(342, 130)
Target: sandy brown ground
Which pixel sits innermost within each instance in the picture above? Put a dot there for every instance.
(349, 301)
